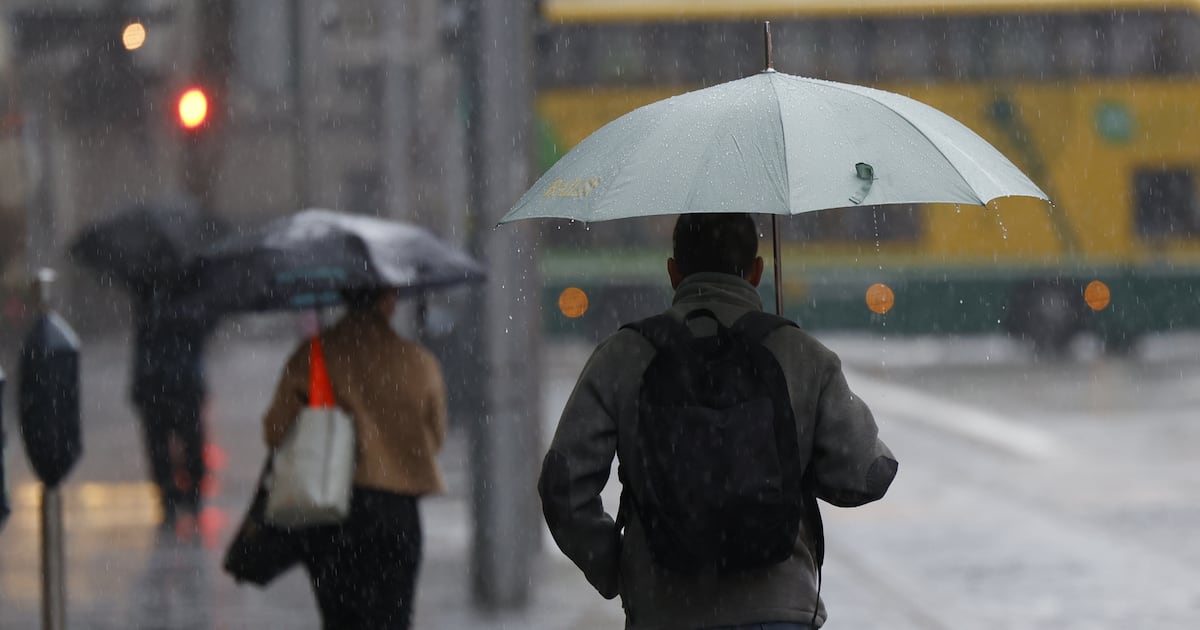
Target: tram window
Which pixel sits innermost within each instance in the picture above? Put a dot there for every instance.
(848, 59)
(1180, 45)
(671, 54)
(958, 50)
(621, 55)
(1166, 203)
(558, 55)
(801, 48)
(1134, 44)
(729, 50)
(856, 224)
(1017, 46)
(901, 49)
(1082, 45)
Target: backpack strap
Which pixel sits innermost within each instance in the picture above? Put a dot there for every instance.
(663, 330)
(757, 325)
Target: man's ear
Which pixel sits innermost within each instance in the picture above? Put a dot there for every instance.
(756, 272)
(674, 273)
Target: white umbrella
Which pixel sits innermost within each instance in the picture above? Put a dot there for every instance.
(777, 144)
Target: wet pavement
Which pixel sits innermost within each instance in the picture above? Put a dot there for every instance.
(1058, 495)
(123, 572)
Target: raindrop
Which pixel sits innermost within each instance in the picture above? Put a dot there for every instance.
(1000, 222)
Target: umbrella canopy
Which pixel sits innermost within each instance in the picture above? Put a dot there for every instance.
(148, 245)
(772, 143)
(306, 259)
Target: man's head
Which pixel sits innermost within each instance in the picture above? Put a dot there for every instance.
(720, 243)
(381, 299)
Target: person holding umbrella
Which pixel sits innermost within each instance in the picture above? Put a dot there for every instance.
(364, 569)
(169, 390)
(149, 247)
(815, 436)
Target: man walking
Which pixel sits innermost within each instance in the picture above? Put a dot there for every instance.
(169, 389)
(696, 541)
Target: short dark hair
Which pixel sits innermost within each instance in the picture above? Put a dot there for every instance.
(356, 299)
(715, 242)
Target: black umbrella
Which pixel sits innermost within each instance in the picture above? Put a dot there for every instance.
(149, 244)
(306, 259)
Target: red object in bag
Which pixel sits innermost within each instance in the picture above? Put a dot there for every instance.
(320, 391)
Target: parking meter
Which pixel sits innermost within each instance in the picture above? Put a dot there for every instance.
(48, 398)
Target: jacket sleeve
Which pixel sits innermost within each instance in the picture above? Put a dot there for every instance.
(291, 395)
(852, 465)
(576, 469)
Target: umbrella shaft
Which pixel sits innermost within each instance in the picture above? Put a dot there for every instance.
(778, 265)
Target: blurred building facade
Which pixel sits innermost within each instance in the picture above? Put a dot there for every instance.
(350, 105)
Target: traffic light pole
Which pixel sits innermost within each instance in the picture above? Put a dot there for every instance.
(214, 60)
(506, 445)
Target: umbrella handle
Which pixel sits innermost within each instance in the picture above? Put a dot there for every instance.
(778, 265)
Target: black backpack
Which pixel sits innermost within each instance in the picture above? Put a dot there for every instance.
(715, 474)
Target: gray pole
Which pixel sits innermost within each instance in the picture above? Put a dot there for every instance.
(41, 238)
(301, 84)
(399, 79)
(54, 590)
(507, 442)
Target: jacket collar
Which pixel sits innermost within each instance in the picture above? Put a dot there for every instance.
(721, 288)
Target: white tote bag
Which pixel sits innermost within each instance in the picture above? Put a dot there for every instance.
(312, 471)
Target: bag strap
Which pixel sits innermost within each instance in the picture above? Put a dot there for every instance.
(320, 390)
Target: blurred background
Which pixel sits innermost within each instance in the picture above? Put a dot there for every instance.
(1033, 363)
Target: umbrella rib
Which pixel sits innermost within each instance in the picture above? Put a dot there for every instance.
(936, 147)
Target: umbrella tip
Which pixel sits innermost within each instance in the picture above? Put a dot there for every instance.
(768, 56)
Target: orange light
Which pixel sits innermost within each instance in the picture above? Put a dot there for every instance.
(193, 108)
(134, 36)
(1097, 295)
(880, 298)
(573, 302)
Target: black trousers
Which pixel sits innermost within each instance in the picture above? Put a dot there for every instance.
(364, 571)
(179, 417)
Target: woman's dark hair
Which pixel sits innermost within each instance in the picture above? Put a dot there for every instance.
(356, 299)
(721, 243)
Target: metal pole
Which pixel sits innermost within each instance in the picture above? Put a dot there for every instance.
(769, 66)
(54, 591)
(507, 440)
(297, 23)
(399, 79)
(768, 62)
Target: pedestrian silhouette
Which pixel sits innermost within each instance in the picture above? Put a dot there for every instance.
(727, 422)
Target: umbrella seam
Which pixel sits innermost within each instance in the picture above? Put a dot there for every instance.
(787, 179)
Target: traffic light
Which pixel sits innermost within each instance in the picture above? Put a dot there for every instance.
(195, 110)
(192, 109)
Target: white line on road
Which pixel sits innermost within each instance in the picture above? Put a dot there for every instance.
(952, 417)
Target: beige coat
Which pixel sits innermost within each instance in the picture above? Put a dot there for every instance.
(392, 388)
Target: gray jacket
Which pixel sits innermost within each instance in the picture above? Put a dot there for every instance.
(838, 436)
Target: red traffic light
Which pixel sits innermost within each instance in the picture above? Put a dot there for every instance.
(192, 108)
